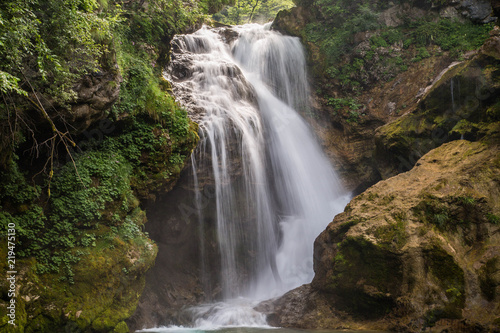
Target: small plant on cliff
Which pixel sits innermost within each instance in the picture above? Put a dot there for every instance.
(451, 35)
(493, 219)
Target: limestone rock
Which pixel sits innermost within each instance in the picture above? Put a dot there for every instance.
(416, 250)
(96, 94)
(461, 94)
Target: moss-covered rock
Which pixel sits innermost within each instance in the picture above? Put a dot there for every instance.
(417, 250)
(82, 252)
(460, 103)
(96, 291)
(380, 271)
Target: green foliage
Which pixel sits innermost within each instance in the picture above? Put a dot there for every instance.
(141, 93)
(10, 83)
(440, 218)
(335, 30)
(50, 43)
(432, 210)
(493, 112)
(378, 41)
(52, 231)
(59, 42)
(102, 178)
(422, 53)
(343, 19)
(246, 11)
(493, 219)
(47, 46)
(392, 35)
(450, 35)
(467, 201)
(350, 104)
(340, 103)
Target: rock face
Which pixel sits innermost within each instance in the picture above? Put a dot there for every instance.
(177, 280)
(460, 103)
(104, 293)
(478, 11)
(411, 251)
(386, 91)
(96, 94)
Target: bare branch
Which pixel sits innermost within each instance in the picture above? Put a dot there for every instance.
(63, 138)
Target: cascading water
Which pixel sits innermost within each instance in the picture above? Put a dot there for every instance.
(274, 190)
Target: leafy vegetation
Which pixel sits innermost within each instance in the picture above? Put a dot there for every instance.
(248, 11)
(49, 44)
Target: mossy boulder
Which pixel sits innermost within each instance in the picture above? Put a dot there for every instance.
(415, 251)
(380, 270)
(106, 284)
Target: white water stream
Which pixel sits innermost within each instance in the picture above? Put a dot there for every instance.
(275, 191)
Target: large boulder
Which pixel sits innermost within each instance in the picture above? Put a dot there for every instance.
(417, 250)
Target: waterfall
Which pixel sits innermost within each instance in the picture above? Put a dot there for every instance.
(275, 191)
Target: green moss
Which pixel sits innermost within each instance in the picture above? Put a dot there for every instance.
(393, 236)
(487, 283)
(339, 232)
(380, 270)
(121, 328)
(372, 196)
(464, 127)
(435, 211)
(494, 112)
(102, 296)
(493, 219)
(450, 277)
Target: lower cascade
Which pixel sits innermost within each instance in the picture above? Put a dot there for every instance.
(273, 189)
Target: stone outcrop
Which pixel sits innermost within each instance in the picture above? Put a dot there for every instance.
(102, 295)
(95, 95)
(417, 250)
(177, 280)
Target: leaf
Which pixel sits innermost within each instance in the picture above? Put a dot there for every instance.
(9, 83)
